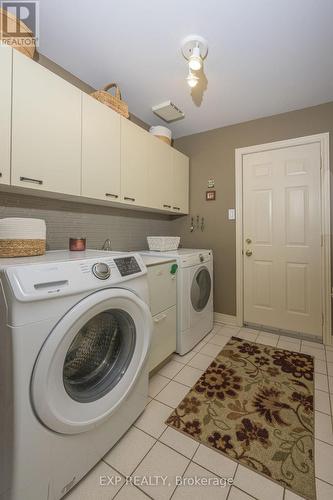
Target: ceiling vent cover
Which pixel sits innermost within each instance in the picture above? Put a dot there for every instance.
(168, 111)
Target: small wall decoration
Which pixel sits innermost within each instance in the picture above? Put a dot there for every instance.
(210, 195)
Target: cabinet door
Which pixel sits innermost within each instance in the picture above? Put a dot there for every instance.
(180, 183)
(100, 150)
(162, 287)
(134, 164)
(163, 342)
(160, 174)
(46, 129)
(5, 111)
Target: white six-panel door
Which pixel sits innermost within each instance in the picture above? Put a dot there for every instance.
(282, 238)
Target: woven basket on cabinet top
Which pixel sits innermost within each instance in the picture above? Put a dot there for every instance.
(24, 43)
(113, 101)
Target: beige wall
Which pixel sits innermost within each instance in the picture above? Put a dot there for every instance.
(212, 155)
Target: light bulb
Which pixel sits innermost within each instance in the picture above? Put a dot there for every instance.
(195, 61)
(192, 80)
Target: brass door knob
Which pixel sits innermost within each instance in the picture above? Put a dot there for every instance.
(248, 253)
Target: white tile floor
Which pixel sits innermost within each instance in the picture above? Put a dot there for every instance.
(151, 448)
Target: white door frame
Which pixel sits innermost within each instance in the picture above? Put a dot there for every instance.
(323, 139)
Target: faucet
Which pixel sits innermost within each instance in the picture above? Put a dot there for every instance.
(107, 245)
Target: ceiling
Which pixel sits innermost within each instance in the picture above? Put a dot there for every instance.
(265, 56)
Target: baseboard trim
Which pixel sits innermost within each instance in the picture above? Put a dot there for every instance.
(227, 319)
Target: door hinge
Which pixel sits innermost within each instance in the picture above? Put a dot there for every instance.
(322, 320)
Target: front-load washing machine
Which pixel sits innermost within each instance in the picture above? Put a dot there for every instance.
(195, 311)
(75, 331)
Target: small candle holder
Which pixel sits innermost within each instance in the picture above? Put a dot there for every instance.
(77, 244)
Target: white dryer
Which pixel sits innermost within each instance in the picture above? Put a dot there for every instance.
(194, 295)
(75, 335)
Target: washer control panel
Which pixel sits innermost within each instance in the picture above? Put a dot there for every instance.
(62, 277)
(127, 265)
(101, 270)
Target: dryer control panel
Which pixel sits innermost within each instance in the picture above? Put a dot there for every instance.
(195, 258)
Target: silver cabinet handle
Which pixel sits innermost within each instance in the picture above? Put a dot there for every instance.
(111, 195)
(176, 208)
(128, 198)
(28, 179)
(166, 206)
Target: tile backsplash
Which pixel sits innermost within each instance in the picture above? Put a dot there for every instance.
(127, 229)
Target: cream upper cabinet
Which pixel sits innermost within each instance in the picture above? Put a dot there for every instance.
(160, 174)
(180, 202)
(100, 150)
(134, 164)
(46, 129)
(5, 111)
(55, 138)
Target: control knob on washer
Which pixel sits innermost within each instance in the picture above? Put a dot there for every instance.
(101, 270)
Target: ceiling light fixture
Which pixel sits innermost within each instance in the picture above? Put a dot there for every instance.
(194, 50)
(195, 61)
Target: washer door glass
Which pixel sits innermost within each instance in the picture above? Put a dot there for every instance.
(200, 289)
(99, 355)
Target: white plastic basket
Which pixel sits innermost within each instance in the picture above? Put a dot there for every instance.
(163, 243)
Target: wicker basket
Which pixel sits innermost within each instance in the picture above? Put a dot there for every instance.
(163, 243)
(22, 248)
(22, 237)
(25, 43)
(113, 101)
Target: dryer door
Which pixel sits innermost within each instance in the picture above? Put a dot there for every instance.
(201, 289)
(91, 360)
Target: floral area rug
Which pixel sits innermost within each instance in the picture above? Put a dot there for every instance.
(254, 403)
